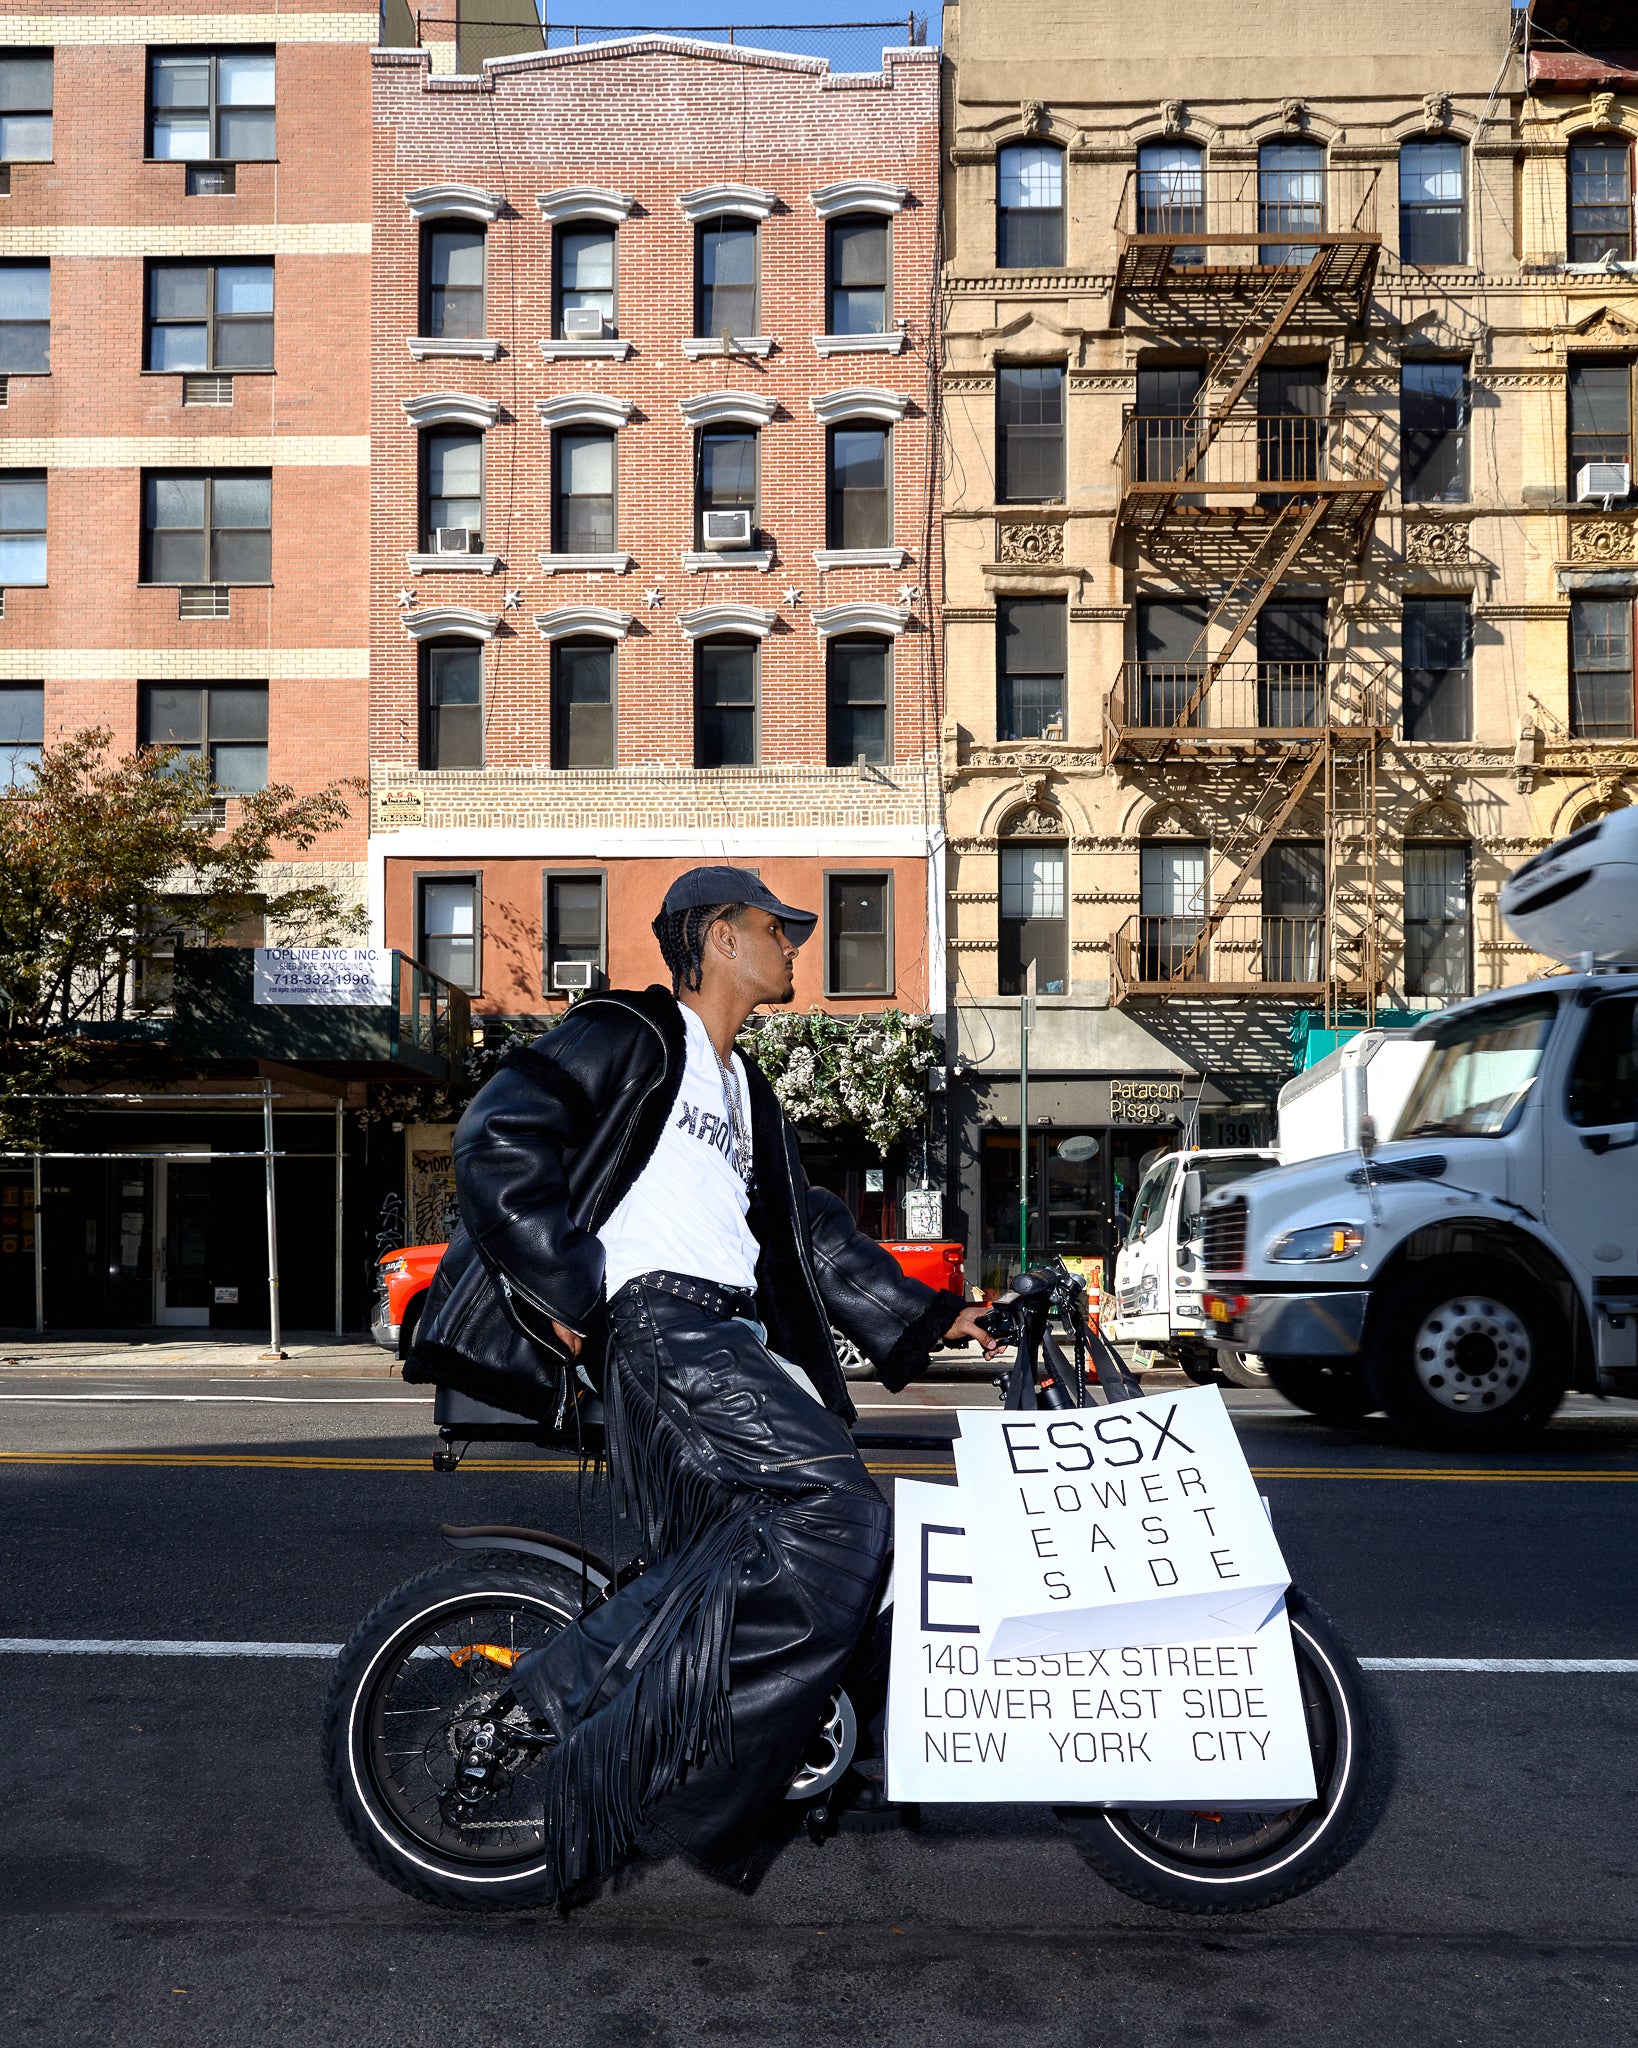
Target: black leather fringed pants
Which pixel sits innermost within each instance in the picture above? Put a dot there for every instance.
(685, 1702)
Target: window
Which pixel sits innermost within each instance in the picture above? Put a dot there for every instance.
(858, 935)
(1432, 203)
(1172, 195)
(860, 510)
(725, 703)
(1290, 198)
(1034, 923)
(574, 922)
(22, 733)
(1029, 210)
(1167, 396)
(446, 923)
(210, 316)
(452, 704)
(25, 319)
(1600, 200)
(585, 274)
(1437, 649)
(22, 526)
(1293, 883)
(1433, 406)
(1604, 1081)
(202, 527)
(1029, 428)
(1171, 661)
(857, 255)
(582, 704)
(858, 701)
(453, 492)
(1031, 660)
(1172, 903)
(222, 724)
(1438, 922)
(1480, 1073)
(727, 475)
(725, 265)
(1600, 415)
(1290, 423)
(215, 105)
(585, 494)
(1291, 654)
(452, 278)
(1601, 668)
(25, 106)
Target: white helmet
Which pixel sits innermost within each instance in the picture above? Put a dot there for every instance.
(1580, 896)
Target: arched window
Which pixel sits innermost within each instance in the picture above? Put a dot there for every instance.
(1432, 203)
(583, 262)
(858, 700)
(583, 703)
(452, 704)
(452, 278)
(1600, 199)
(452, 491)
(1438, 919)
(725, 702)
(1172, 195)
(1290, 198)
(1034, 920)
(857, 254)
(1029, 206)
(860, 500)
(725, 276)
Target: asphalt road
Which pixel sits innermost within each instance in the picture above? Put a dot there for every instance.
(170, 1870)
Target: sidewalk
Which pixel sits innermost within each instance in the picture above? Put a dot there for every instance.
(191, 1354)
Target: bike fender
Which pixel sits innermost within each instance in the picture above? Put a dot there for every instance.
(558, 1550)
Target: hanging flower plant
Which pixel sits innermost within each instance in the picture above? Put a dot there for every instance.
(828, 1071)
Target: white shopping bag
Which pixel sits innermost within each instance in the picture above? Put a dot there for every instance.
(1137, 1522)
(1153, 1722)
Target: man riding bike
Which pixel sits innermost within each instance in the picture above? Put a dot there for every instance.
(632, 1199)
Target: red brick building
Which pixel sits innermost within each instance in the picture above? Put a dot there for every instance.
(652, 519)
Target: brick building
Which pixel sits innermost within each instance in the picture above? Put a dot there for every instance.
(184, 450)
(653, 547)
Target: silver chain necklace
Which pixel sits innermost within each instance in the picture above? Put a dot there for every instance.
(736, 1119)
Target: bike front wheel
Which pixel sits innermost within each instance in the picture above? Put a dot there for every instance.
(1194, 1860)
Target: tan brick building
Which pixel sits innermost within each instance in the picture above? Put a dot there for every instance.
(624, 294)
(1219, 754)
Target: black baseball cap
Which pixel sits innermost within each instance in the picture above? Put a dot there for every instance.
(701, 888)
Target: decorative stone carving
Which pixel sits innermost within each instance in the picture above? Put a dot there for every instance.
(1294, 113)
(1032, 821)
(1435, 111)
(1172, 116)
(1032, 542)
(1437, 542)
(1603, 109)
(1602, 541)
(1036, 120)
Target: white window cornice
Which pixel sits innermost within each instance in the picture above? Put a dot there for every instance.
(597, 620)
(450, 620)
(709, 619)
(860, 558)
(586, 202)
(697, 346)
(709, 200)
(860, 617)
(619, 563)
(584, 409)
(454, 202)
(859, 402)
(715, 408)
(474, 349)
(859, 195)
(452, 408)
(860, 344)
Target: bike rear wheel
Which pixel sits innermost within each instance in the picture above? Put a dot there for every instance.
(1199, 1861)
(411, 1694)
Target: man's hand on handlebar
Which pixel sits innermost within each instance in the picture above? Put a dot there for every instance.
(968, 1328)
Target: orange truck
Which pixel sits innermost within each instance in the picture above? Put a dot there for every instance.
(402, 1278)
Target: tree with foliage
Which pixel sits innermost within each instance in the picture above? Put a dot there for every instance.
(102, 857)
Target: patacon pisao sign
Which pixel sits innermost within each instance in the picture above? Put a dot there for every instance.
(339, 977)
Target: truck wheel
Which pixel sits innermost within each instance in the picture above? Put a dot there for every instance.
(1467, 1351)
(1333, 1389)
(854, 1364)
(1242, 1368)
(1198, 1362)
(411, 1323)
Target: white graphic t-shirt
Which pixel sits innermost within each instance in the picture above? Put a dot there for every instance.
(686, 1212)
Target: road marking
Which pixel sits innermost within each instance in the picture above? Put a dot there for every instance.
(136, 1646)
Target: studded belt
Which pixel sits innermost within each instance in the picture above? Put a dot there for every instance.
(722, 1302)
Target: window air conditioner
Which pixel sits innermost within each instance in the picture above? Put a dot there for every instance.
(582, 323)
(1604, 480)
(722, 531)
(452, 540)
(575, 976)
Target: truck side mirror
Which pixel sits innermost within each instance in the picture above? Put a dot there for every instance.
(1367, 1135)
(1188, 1207)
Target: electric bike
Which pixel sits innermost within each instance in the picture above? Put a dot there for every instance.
(436, 1774)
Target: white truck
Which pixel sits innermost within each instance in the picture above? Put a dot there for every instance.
(1464, 1273)
(1322, 1110)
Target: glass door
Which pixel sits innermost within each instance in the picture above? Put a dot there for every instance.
(182, 1279)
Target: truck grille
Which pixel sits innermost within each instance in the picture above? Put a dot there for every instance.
(1223, 1237)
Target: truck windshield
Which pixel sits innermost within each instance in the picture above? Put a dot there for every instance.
(1220, 1173)
(1479, 1073)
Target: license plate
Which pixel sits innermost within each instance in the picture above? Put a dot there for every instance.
(1218, 1311)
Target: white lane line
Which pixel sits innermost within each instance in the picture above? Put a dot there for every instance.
(266, 1400)
(51, 1646)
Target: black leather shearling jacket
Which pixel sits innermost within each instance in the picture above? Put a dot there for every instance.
(544, 1154)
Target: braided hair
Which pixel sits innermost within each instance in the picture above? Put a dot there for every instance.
(681, 934)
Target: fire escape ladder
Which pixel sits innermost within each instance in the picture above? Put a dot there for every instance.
(1218, 415)
(1316, 756)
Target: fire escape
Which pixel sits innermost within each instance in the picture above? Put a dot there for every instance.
(1228, 489)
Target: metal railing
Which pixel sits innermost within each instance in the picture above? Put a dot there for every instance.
(1155, 698)
(1250, 950)
(1278, 212)
(1165, 454)
(434, 1017)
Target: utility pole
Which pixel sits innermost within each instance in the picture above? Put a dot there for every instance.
(1026, 1017)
